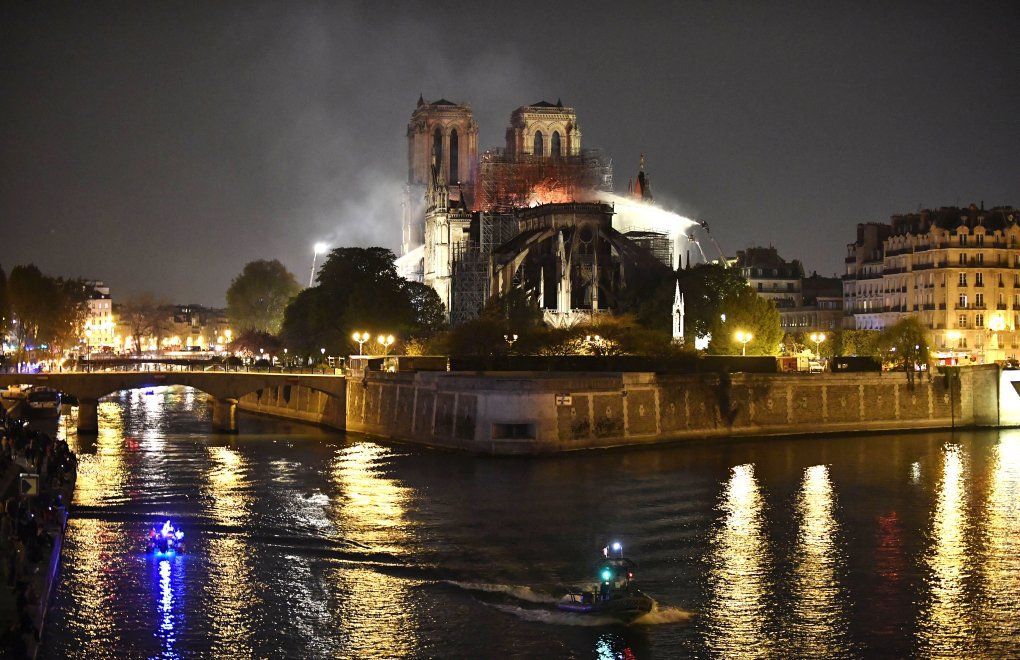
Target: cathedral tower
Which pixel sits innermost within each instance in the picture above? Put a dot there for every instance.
(543, 129)
(444, 136)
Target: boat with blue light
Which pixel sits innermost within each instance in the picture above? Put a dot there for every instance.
(615, 595)
(166, 539)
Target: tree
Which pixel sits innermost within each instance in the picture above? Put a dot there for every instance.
(906, 345)
(855, 342)
(746, 311)
(429, 311)
(258, 296)
(257, 343)
(358, 289)
(46, 313)
(706, 289)
(144, 316)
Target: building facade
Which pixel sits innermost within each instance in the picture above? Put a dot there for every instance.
(956, 269)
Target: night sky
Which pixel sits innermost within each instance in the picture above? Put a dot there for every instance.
(161, 146)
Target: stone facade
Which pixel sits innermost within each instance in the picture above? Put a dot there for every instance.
(956, 269)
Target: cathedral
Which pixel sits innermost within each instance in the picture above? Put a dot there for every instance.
(529, 215)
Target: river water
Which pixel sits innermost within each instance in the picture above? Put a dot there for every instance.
(309, 544)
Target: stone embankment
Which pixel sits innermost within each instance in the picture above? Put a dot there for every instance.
(541, 413)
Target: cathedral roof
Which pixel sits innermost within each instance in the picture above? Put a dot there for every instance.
(546, 104)
(442, 102)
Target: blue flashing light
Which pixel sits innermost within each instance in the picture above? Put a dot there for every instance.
(607, 575)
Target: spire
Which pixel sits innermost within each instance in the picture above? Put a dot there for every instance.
(678, 315)
(421, 100)
(641, 167)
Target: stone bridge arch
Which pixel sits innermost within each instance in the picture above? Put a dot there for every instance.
(224, 387)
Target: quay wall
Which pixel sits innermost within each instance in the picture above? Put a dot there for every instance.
(542, 412)
(296, 402)
(536, 413)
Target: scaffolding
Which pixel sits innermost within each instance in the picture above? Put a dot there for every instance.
(658, 243)
(507, 182)
(470, 285)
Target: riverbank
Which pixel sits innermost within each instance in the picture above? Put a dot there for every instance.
(537, 413)
(37, 484)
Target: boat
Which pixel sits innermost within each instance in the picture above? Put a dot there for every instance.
(166, 539)
(43, 402)
(615, 594)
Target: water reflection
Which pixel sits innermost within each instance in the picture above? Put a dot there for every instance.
(945, 622)
(103, 471)
(168, 603)
(235, 591)
(1001, 563)
(377, 615)
(820, 624)
(739, 571)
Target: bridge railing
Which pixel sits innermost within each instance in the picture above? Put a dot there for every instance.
(163, 367)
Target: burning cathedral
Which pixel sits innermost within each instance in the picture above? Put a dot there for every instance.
(538, 214)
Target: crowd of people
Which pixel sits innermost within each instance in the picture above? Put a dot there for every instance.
(25, 524)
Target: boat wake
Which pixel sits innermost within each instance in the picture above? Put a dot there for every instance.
(518, 592)
(663, 614)
(555, 617)
(505, 594)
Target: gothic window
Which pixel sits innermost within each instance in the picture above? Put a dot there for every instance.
(454, 160)
(437, 147)
(539, 146)
(555, 145)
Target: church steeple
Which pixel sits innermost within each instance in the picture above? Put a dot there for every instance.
(642, 189)
(678, 315)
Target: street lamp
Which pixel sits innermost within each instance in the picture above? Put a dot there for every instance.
(386, 341)
(743, 338)
(510, 339)
(361, 338)
(318, 249)
(818, 338)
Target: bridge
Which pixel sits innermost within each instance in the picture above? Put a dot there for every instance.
(225, 388)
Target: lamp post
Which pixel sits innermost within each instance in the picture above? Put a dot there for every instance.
(818, 338)
(510, 339)
(361, 338)
(318, 249)
(743, 338)
(386, 341)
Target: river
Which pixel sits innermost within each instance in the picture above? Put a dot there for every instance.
(305, 543)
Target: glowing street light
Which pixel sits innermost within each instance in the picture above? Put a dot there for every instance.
(361, 338)
(818, 338)
(319, 248)
(510, 339)
(386, 341)
(743, 338)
